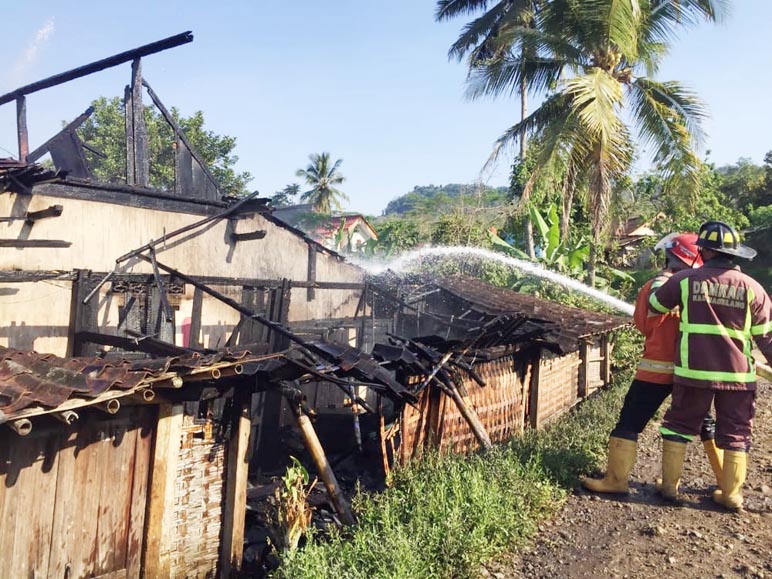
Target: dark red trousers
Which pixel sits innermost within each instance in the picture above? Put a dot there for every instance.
(734, 414)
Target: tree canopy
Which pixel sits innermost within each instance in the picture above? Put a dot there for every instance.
(594, 59)
(104, 133)
(322, 177)
(434, 198)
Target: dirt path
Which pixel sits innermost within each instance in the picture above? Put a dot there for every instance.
(640, 536)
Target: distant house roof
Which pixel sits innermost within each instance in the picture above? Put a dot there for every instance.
(294, 216)
(351, 221)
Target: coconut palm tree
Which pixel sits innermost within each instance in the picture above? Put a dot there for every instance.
(608, 51)
(486, 40)
(322, 177)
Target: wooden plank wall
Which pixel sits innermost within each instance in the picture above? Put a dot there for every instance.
(72, 500)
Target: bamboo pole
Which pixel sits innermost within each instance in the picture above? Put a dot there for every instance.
(22, 427)
(311, 440)
(467, 411)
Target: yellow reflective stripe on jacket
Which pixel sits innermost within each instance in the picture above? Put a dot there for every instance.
(687, 329)
(713, 330)
(761, 329)
(714, 376)
(684, 322)
(654, 302)
(656, 366)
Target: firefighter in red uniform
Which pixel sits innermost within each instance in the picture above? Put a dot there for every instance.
(654, 377)
(722, 309)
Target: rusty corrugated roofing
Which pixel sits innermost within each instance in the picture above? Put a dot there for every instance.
(34, 380)
(567, 325)
(13, 172)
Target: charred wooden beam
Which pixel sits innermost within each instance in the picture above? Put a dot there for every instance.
(21, 127)
(146, 344)
(180, 134)
(259, 234)
(52, 211)
(167, 308)
(98, 65)
(27, 276)
(128, 195)
(45, 147)
(34, 243)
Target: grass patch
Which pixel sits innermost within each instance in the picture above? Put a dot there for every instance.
(446, 515)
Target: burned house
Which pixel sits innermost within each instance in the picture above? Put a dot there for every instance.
(153, 345)
(517, 361)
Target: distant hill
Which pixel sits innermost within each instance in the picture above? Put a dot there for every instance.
(429, 197)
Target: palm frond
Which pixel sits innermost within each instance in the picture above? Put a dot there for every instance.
(595, 97)
(668, 118)
(480, 34)
(503, 76)
(665, 18)
(447, 9)
(624, 19)
(553, 109)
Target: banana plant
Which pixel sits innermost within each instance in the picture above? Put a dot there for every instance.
(554, 253)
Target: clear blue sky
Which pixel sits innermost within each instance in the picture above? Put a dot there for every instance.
(368, 81)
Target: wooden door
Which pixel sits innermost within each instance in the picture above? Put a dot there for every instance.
(72, 500)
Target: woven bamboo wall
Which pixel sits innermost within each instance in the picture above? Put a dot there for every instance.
(499, 404)
(558, 386)
(198, 502)
(548, 388)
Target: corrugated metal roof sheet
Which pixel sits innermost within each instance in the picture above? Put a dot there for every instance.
(23, 173)
(43, 381)
(566, 325)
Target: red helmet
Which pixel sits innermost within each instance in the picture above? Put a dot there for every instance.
(683, 246)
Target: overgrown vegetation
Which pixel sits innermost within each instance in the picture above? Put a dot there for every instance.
(104, 133)
(445, 516)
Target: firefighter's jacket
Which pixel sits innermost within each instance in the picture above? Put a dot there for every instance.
(660, 331)
(721, 310)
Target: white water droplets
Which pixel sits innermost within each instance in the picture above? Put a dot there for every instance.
(403, 262)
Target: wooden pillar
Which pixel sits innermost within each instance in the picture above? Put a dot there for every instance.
(21, 127)
(194, 338)
(533, 398)
(137, 166)
(312, 253)
(314, 446)
(584, 369)
(160, 517)
(606, 349)
(83, 316)
(235, 500)
(129, 126)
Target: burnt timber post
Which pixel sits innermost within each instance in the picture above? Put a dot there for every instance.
(137, 168)
(235, 499)
(21, 125)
